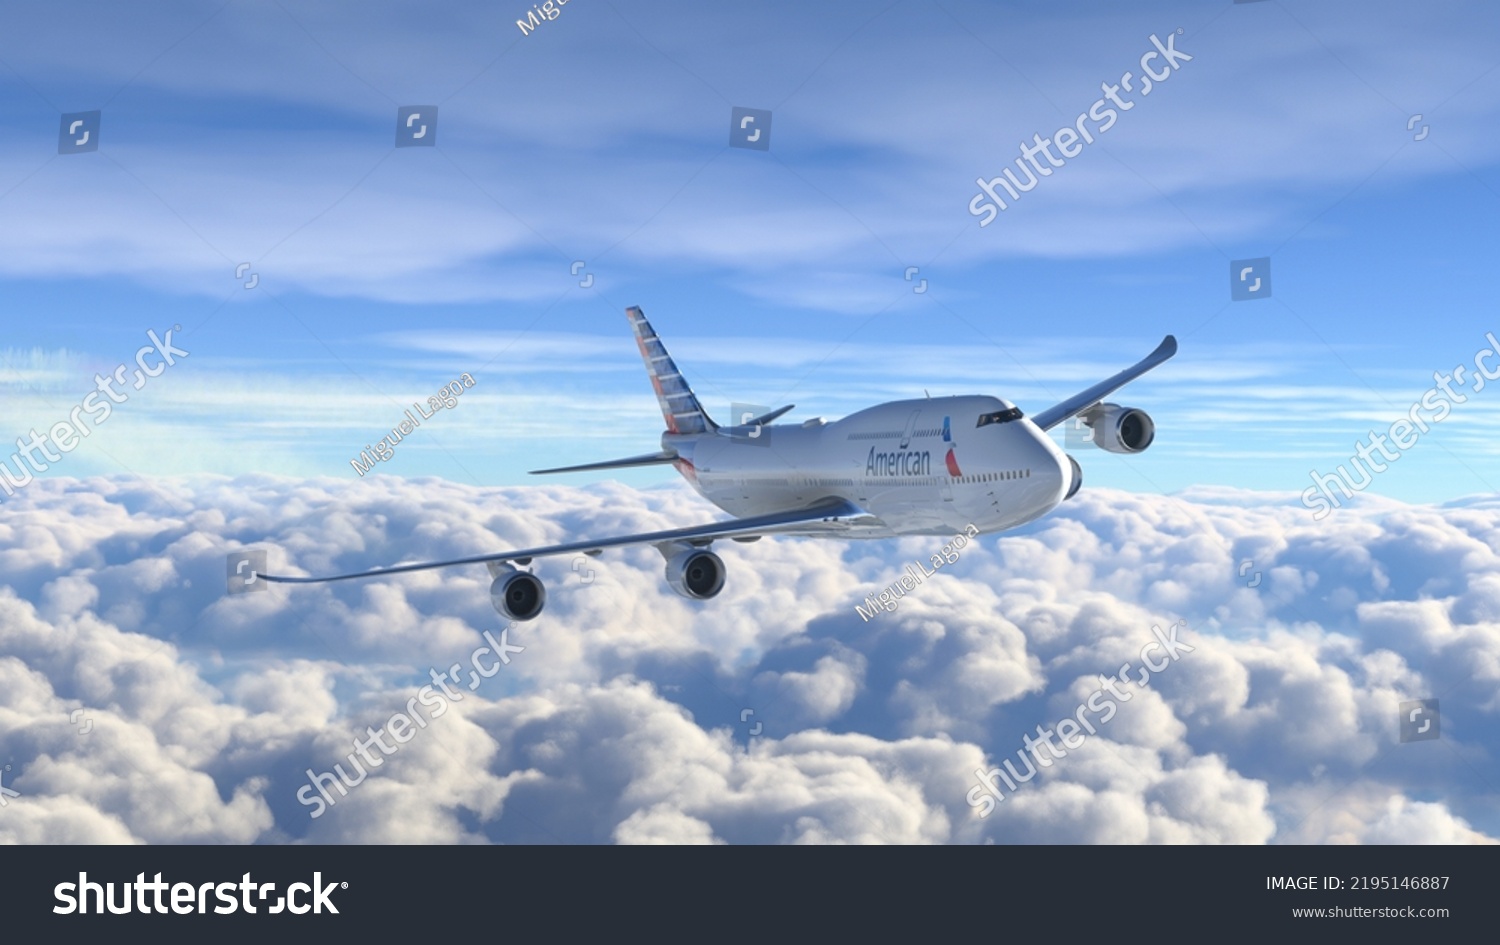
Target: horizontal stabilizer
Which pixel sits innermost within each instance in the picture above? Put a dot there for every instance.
(650, 459)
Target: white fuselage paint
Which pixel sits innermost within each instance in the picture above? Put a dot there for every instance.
(892, 461)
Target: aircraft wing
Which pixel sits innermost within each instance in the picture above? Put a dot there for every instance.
(828, 517)
(1082, 401)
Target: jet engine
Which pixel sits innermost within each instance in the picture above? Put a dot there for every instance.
(697, 574)
(517, 595)
(1076, 482)
(1117, 429)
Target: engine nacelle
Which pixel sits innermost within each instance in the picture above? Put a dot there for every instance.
(1076, 482)
(517, 595)
(696, 574)
(1117, 429)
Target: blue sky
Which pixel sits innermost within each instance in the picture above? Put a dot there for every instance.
(263, 133)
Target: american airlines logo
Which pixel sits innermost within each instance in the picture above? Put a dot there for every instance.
(899, 463)
(950, 460)
(904, 462)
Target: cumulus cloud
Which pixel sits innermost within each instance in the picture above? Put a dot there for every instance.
(140, 704)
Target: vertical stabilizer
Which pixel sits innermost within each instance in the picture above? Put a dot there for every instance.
(679, 405)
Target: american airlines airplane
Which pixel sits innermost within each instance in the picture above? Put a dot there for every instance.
(909, 467)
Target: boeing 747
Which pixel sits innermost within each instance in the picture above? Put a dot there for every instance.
(909, 467)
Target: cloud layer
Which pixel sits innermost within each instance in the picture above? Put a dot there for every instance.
(138, 703)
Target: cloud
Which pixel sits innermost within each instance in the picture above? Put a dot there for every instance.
(772, 713)
(266, 135)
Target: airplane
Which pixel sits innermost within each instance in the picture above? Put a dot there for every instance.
(934, 466)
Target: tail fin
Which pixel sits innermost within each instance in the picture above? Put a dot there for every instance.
(679, 405)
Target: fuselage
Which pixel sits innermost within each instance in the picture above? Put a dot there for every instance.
(921, 467)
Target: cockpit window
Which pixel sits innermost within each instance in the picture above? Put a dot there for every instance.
(1000, 416)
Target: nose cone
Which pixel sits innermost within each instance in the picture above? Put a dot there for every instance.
(1051, 474)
